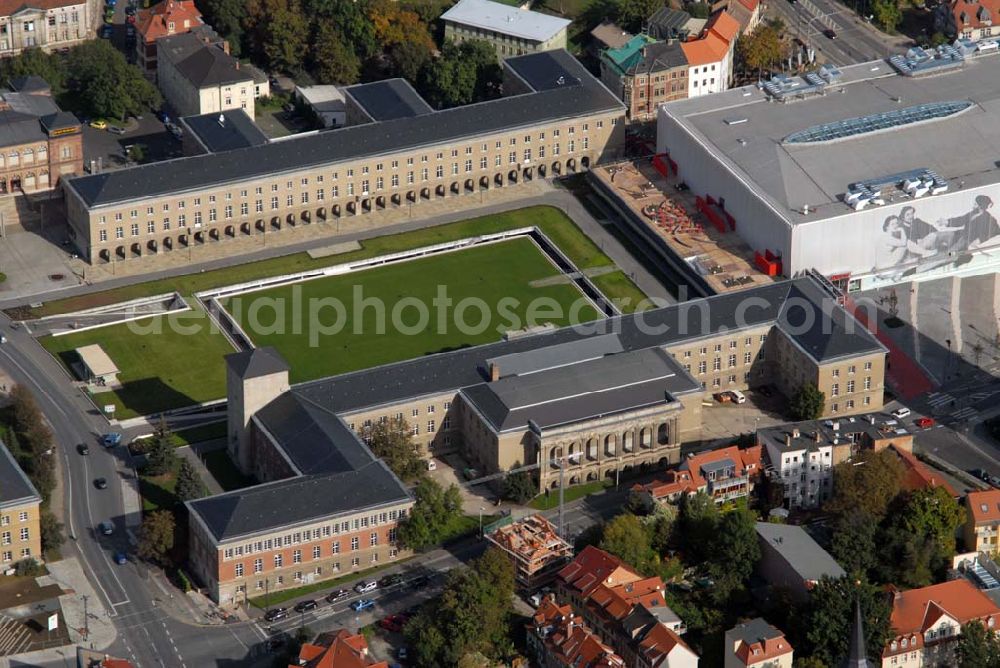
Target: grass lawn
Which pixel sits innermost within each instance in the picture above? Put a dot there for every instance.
(279, 597)
(494, 273)
(553, 222)
(543, 502)
(158, 491)
(159, 371)
(225, 472)
(627, 295)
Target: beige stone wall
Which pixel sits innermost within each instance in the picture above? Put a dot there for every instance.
(732, 361)
(245, 398)
(507, 46)
(55, 28)
(432, 419)
(358, 187)
(20, 533)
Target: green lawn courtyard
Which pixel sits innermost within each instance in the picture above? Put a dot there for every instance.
(496, 274)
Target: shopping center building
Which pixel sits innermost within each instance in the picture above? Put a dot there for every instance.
(554, 118)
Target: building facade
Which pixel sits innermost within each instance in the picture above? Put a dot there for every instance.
(558, 639)
(512, 30)
(710, 58)
(547, 129)
(645, 74)
(725, 475)
(982, 521)
(198, 76)
(50, 25)
(757, 644)
(20, 514)
(164, 19)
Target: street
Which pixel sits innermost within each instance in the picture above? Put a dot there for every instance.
(855, 42)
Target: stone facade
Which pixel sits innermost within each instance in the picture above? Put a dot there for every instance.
(20, 532)
(49, 25)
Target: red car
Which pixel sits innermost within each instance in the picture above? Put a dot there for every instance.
(924, 422)
(392, 623)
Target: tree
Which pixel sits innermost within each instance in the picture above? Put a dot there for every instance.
(868, 483)
(697, 522)
(854, 543)
(189, 484)
(51, 531)
(699, 10)
(464, 73)
(106, 84)
(472, 615)
(808, 403)
(392, 441)
(737, 551)
(761, 50)
(626, 538)
(160, 455)
(278, 32)
(394, 24)
(334, 61)
(434, 510)
(350, 19)
(227, 17)
(936, 514)
(978, 647)
(887, 14)
(830, 616)
(34, 61)
(919, 540)
(407, 59)
(520, 487)
(156, 536)
(908, 560)
(633, 13)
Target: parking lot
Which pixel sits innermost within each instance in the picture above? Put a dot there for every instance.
(723, 421)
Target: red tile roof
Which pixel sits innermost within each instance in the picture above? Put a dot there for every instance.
(916, 611)
(660, 642)
(984, 506)
(974, 15)
(917, 475)
(687, 478)
(617, 602)
(567, 639)
(594, 567)
(766, 650)
(155, 22)
(725, 26)
(337, 650)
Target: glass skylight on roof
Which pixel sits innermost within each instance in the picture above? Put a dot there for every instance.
(852, 127)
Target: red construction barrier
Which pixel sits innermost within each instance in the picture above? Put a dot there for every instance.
(710, 213)
(766, 266)
(775, 259)
(731, 220)
(662, 167)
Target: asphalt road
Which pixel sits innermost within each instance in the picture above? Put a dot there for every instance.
(855, 41)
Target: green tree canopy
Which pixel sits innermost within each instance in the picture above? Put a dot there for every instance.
(227, 17)
(854, 542)
(156, 536)
(737, 551)
(868, 483)
(106, 84)
(520, 487)
(697, 522)
(392, 441)
(160, 455)
(887, 14)
(978, 647)
(760, 52)
(334, 60)
(626, 538)
(830, 616)
(278, 32)
(632, 14)
(462, 74)
(34, 61)
(472, 615)
(189, 484)
(808, 403)
(435, 508)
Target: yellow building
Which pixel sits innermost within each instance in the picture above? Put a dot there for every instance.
(982, 523)
(20, 515)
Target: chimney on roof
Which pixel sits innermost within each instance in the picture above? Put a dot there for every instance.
(795, 432)
(788, 439)
(222, 120)
(818, 437)
(494, 372)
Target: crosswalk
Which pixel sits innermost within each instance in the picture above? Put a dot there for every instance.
(967, 413)
(941, 401)
(981, 396)
(938, 399)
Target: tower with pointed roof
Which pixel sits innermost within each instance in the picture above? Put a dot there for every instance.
(858, 656)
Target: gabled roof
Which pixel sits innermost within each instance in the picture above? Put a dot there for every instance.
(30, 84)
(337, 650)
(594, 567)
(984, 506)
(15, 487)
(201, 64)
(916, 610)
(975, 14)
(725, 26)
(715, 42)
(755, 641)
(155, 22)
(660, 642)
(688, 478)
(799, 551)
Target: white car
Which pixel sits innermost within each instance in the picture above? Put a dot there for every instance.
(365, 587)
(901, 413)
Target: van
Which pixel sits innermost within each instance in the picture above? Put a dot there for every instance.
(738, 397)
(901, 413)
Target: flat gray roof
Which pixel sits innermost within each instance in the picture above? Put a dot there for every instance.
(962, 149)
(799, 550)
(506, 19)
(580, 96)
(237, 130)
(389, 99)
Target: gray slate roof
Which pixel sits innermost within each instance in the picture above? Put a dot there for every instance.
(257, 362)
(203, 65)
(586, 96)
(19, 128)
(754, 631)
(237, 131)
(15, 488)
(802, 554)
(389, 100)
(30, 84)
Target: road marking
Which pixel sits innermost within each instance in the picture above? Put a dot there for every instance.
(55, 404)
(233, 633)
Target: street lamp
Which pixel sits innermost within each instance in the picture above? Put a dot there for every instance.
(481, 509)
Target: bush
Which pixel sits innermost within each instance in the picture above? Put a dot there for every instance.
(182, 581)
(29, 568)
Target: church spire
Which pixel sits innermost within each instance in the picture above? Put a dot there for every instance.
(858, 656)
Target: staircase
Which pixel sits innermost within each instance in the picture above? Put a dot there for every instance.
(15, 637)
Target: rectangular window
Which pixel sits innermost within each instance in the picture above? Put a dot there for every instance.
(279, 560)
(239, 570)
(258, 565)
(373, 538)
(297, 556)
(24, 533)
(316, 551)
(354, 544)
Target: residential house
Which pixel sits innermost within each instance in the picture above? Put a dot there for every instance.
(626, 610)
(49, 25)
(559, 639)
(982, 521)
(726, 474)
(645, 74)
(747, 12)
(927, 622)
(790, 558)
(608, 35)
(917, 475)
(968, 19)
(198, 76)
(20, 513)
(511, 30)
(710, 57)
(668, 23)
(802, 455)
(340, 649)
(535, 549)
(757, 644)
(167, 18)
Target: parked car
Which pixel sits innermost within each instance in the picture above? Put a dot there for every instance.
(306, 606)
(470, 473)
(99, 124)
(338, 595)
(106, 528)
(83, 449)
(100, 483)
(275, 614)
(111, 439)
(723, 397)
(981, 474)
(130, 10)
(106, 32)
(402, 653)
(390, 580)
(116, 130)
(121, 558)
(362, 604)
(366, 586)
(830, 33)
(738, 397)
(901, 413)
(392, 623)
(924, 422)
(419, 581)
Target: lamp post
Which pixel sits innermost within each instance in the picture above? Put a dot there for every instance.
(481, 509)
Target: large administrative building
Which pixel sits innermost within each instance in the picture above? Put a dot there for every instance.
(580, 403)
(880, 173)
(554, 118)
